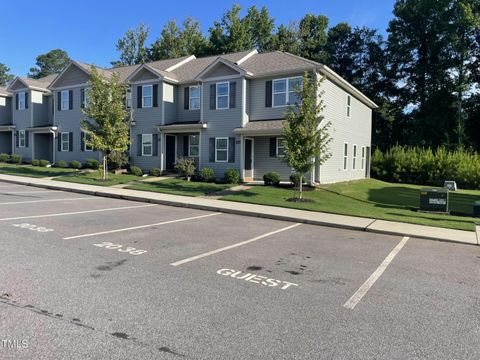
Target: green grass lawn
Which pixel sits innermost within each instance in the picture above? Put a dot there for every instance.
(33, 171)
(180, 187)
(369, 198)
(93, 178)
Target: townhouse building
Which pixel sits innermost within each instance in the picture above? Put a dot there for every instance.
(223, 111)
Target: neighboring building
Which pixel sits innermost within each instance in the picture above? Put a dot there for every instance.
(223, 111)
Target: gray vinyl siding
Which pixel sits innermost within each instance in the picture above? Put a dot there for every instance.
(221, 70)
(6, 142)
(144, 75)
(18, 86)
(43, 146)
(170, 112)
(42, 110)
(72, 77)
(220, 124)
(264, 163)
(6, 111)
(22, 119)
(147, 120)
(354, 130)
(182, 114)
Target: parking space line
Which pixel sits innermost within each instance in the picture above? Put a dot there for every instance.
(193, 258)
(47, 200)
(355, 299)
(77, 212)
(140, 227)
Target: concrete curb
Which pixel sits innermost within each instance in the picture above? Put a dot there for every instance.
(262, 211)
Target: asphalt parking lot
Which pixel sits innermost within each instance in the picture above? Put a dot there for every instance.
(85, 277)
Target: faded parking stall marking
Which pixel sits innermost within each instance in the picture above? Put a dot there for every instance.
(125, 249)
(256, 279)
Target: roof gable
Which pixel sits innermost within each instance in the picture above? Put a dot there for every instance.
(221, 68)
(73, 74)
(17, 84)
(143, 73)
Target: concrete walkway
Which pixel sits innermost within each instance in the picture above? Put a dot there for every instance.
(271, 212)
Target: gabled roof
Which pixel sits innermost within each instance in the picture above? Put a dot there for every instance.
(221, 60)
(276, 62)
(4, 92)
(41, 84)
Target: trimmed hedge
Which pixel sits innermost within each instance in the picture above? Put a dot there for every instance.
(155, 172)
(207, 175)
(232, 176)
(44, 163)
(4, 157)
(91, 164)
(272, 178)
(16, 159)
(75, 164)
(135, 170)
(415, 165)
(61, 164)
(35, 162)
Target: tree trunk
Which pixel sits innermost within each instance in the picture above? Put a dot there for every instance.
(300, 189)
(105, 170)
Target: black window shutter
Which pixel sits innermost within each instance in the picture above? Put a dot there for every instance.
(16, 101)
(26, 139)
(155, 144)
(59, 141)
(59, 101)
(186, 98)
(82, 141)
(231, 150)
(233, 90)
(17, 139)
(139, 145)
(139, 97)
(273, 147)
(185, 145)
(213, 94)
(70, 100)
(155, 95)
(211, 150)
(82, 98)
(268, 93)
(26, 100)
(70, 141)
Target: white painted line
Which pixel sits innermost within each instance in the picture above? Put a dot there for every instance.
(355, 299)
(48, 200)
(25, 192)
(193, 258)
(77, 212)
(140, 227)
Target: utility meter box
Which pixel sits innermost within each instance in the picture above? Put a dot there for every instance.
(434, 200)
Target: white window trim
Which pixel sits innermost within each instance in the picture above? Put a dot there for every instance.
(287, 81)
(354, 157)
(151, 144)
(345, 157)
(196, 97)
(228, 96)
(21, 134)
(216, 141)
(62, 100)
(349, 107)
(64, 142)
(22, 104)
(363, 158)
(143, 96)
(276, 147)
(190, 145)
(85, 147)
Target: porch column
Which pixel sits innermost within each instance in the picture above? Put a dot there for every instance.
(242, 157)
(162, 151)
(13, 141)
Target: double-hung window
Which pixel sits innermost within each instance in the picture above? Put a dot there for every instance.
(280, 147)
(65, 100)
(87, 137)
(128, 99)
(223, 94)
(65, 141)
(21, 138)
(147, 144)
(349, 106)
(363, 158)
(354, 158)
(193, 145)
(284, 91)
(345, 156)
(221, 149)
(147, 96)
(194, 98)
(86, 97)
(21, 101)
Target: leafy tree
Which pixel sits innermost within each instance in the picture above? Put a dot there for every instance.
(313, 37)
(5, 76)
(50, 63)
(286, 39)
(132, 46)
(107, 121)
(306, 140)
(261, 27)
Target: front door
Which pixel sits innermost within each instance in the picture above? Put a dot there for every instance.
(170, 145)
(248, 159)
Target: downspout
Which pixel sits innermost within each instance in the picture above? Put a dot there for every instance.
(53, 145)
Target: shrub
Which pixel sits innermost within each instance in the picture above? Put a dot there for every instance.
(271, 178)
(135, 170)
(155, 172)
(35, 162)
(4, 157)
(61, 164)
(232, 176)
(16, 159)
(295, 179)
(91, 164)
(207, 175)
(75, 164)
(185, 167)
(44, 163)
(117, 160)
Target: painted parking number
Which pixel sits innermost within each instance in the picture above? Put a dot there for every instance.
(32, 227)
(121, 248)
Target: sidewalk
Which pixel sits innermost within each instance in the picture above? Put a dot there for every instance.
(271, 212)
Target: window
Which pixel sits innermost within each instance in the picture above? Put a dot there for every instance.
(65, 141)
(147, 144)
(193, 145)
(349, 105)
(194, 98)
(21, 138)
(221, 149)
(345, 156)
(86, 98)
(86, 137)
(21, 101)
(65, 100)
(354, 158)
(147, 96)
(223, 91)
(284, 91)
(280, 147)
(128, 98)
(363, 158)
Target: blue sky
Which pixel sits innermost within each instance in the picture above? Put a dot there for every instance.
(89, 30)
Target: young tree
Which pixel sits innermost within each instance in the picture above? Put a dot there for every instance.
(107, 121)
(5, 76)
(306, 140)
(50, 63)
(132, 46)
